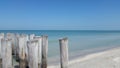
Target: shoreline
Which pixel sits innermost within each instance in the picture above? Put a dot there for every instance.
(89, 57)
(92, 51)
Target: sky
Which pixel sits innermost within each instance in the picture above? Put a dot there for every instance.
(59, 14)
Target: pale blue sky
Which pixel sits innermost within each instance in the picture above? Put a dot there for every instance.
(60, 15)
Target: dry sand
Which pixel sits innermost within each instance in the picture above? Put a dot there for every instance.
(105, 59)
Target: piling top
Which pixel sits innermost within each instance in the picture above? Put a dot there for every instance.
(37, 37)
(32, 35)
(6, 39)
(10, 34)
(65, 38)
(17, 35)
(1, 34)
(32, 41)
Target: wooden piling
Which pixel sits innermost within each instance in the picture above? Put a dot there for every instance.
(1, 37)
(44, 51)
(26, 48)
(39, 49)
(33, 53)
(63, 52)
(17, 46)
(6, 53)
(22, 62)
(12, 37)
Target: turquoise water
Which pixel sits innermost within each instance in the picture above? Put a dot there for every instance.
(79, 41)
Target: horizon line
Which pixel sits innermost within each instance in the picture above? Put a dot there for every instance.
(62, 30)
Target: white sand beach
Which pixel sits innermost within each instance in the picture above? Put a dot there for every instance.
(105, 59)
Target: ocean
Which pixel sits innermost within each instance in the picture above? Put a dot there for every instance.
(81, 42)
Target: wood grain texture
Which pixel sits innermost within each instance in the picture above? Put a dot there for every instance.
(12, 37)
(33, 53)
(6, 53)
(26, 48)
(44, 51)
(63, 52)
(17, 46)
(39, 38)
(21, 41)
(1, 37)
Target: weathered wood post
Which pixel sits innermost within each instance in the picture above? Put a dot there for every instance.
(32, 36)
(63, 52)
(33, 53)
(44, 51)
(39, 49)
(12, 37)
(17, 46)
(22, 61)
(1, 37)
(6, 53)
(26, 48)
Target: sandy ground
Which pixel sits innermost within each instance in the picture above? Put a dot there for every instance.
(105, 59)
